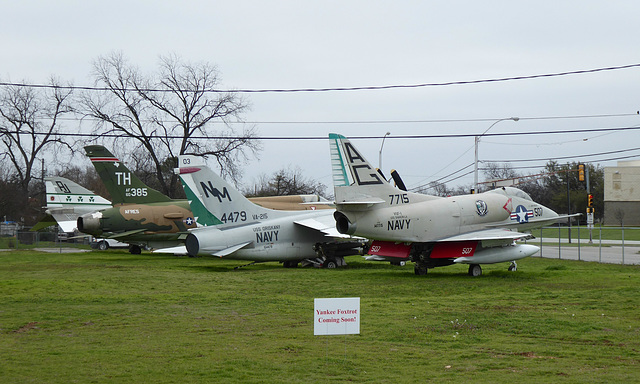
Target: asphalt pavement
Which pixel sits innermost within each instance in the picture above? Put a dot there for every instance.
(611, 251)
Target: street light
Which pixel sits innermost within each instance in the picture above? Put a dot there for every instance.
(477, 140)
(380, 154)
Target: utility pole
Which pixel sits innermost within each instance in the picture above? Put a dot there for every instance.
(569, 201)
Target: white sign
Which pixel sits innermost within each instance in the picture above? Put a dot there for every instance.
(338, 316)
(590, 220)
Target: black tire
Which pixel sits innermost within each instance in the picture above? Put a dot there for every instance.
(103, 245)
(330, 264)
(475, 270)
(135, 249)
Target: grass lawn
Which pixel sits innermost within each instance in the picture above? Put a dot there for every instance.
(109, 317)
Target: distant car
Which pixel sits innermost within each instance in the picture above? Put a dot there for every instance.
(104, 244)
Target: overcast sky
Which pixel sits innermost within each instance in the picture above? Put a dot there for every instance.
(324, 44)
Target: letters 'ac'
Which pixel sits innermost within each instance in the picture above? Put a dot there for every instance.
(428, 230)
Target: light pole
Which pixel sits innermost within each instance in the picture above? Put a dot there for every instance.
(477, 140)
(380, 154)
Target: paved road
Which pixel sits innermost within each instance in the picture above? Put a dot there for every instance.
(613, 254)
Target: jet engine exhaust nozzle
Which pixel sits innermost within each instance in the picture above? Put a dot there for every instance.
(343, 225)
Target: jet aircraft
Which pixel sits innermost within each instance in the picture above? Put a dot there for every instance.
(144, 217)
(239, 229)
(141, 215)
(431, 231)
(66, 201)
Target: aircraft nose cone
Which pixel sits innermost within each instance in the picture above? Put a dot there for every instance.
(528, 250)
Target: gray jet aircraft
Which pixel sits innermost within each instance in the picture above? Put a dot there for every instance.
(66, 201)
(238, 229)
(430, 231)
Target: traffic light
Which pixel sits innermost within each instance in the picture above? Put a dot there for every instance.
(590, 200)
(581, 172)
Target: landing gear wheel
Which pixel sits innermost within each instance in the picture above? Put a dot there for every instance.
(103, 245)
(420, 270)
(135, 249)
(475, 270)
(513, 267)
(330, 264)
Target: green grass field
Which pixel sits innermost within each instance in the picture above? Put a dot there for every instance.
(109, 317)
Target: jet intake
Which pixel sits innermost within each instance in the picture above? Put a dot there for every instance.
(343, 225)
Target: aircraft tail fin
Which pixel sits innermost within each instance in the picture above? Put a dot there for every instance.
(66, 200)
(62, 192)
(213, 201)
(354, 179)
(123, 185)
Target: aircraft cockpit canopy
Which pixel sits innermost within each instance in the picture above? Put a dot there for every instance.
(511, 191)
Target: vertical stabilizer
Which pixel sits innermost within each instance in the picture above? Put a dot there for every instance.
(123, 185)
(354, 179)
(64, 193)
(214, 201)
(67, 200)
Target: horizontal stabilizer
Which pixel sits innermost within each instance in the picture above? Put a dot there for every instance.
(230, 250)
(124, 234)
(45, 222)
(325, 224)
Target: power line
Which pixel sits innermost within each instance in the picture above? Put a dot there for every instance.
(563, 157)
(334, 89)
(420, 121)
(299, 138)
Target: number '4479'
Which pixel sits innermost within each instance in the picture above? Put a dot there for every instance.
(234, 217)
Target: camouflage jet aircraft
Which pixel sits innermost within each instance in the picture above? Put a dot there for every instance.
(238, 229)
(431, 231)
(141, 215)
(144, 217)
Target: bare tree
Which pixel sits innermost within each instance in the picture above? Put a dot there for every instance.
(171, 113)
(29, 127)
(286, 182)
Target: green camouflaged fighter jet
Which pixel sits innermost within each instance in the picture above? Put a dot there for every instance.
(141, 215)
(145, 218)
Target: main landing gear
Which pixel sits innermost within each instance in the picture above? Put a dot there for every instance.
(475, 270)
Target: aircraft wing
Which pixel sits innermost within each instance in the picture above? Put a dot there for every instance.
(546, 221)
(325, 224)
(124, 234)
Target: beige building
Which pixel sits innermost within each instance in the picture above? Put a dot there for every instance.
(622, 194)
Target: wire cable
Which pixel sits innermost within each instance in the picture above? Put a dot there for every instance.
(335, 89)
